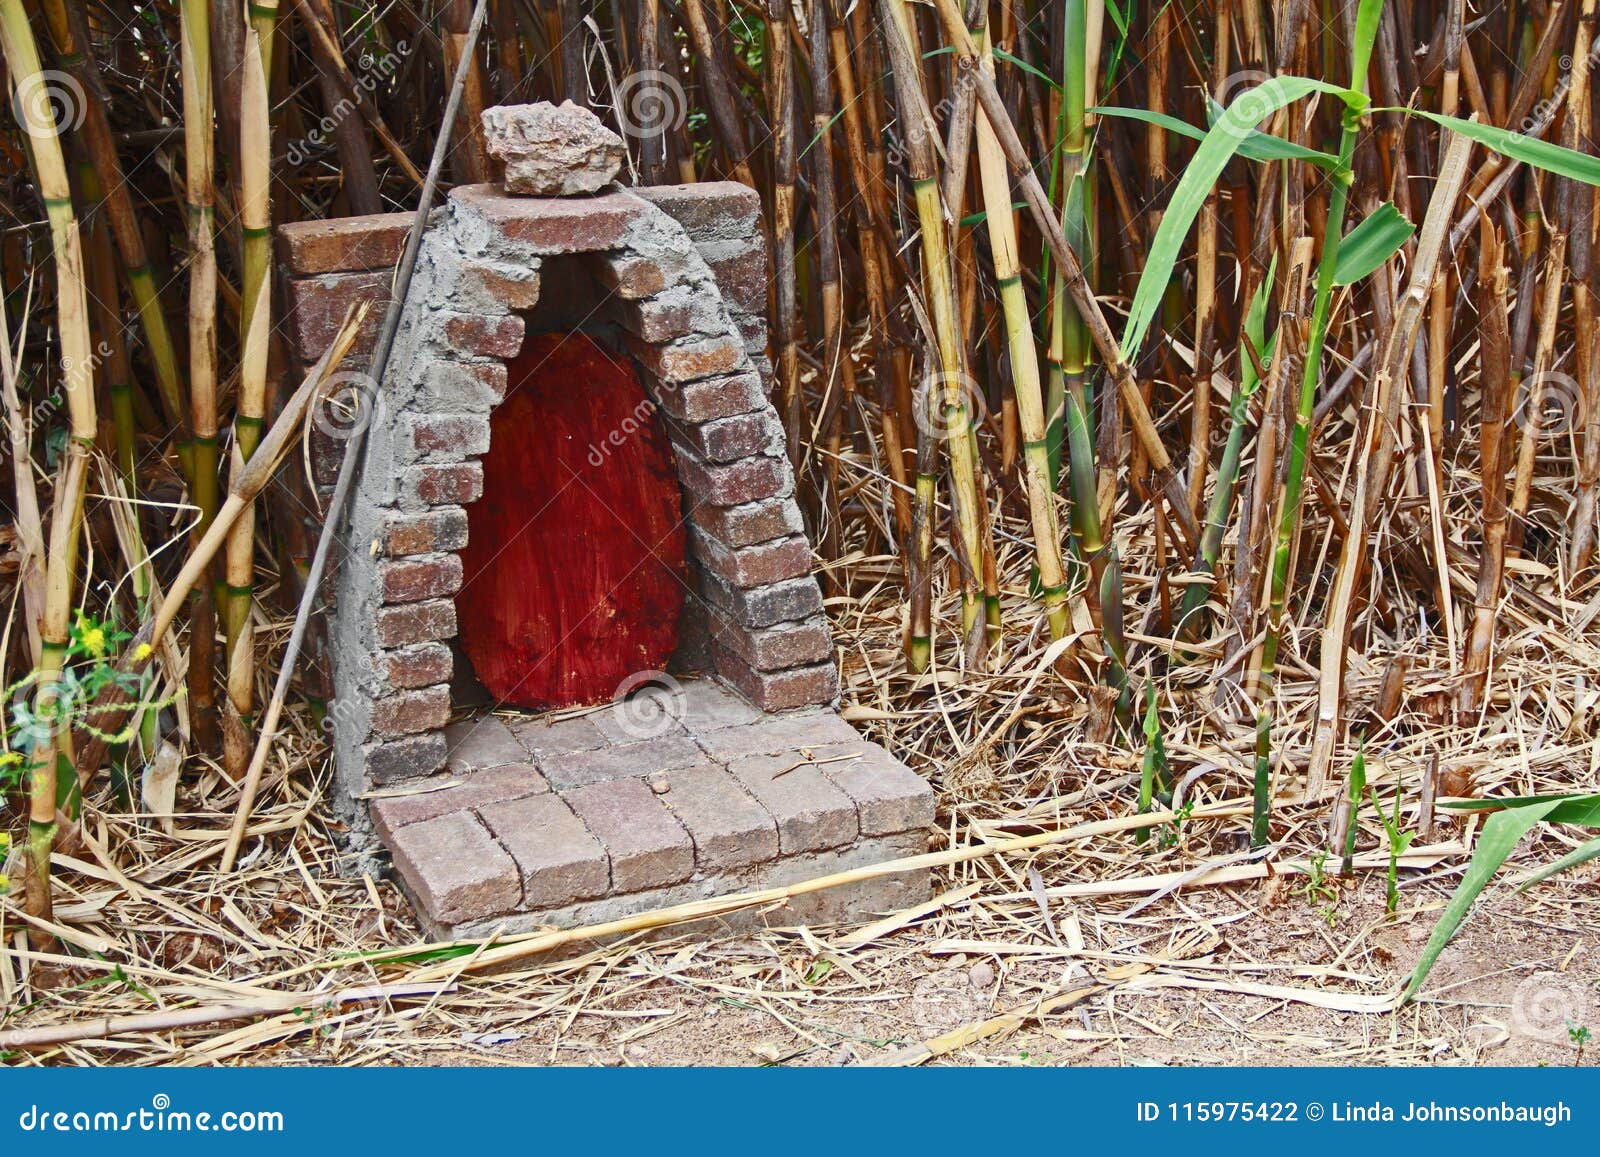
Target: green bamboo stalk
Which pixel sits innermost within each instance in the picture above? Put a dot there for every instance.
(1291, 491)
(53, 745)
(1002, 227)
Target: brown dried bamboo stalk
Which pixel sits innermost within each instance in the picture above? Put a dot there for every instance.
(1373, 465)
(1494, 375)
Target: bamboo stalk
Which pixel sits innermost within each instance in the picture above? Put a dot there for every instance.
(199, 199)
(251, 405)
(1000, 220)
(54, 742)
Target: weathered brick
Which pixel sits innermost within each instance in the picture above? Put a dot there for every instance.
(419, 666)
(680, 312)
(414, 623)
(559, 860)
(709, 706)
(404, 759)
(778, 690)
(436, 530)
(515, 286)
(553, 224)
(889, 796)
(775, 734)
(455, 869)
(445, 483)
(689, 361)
(342, 244)
(704, 401)
(733, 483)
(811, 813)
(652, 710)
(317, 306)
(479, 336)
(545, 738)
(450, 436)
(764, 605)
(454, 386)
(750, 523)
(570, 769)
(740, 269)
(411, 580)
(729, 828)
(481, 743)
(390, 813)
(753, 566)
(728, 439)
(777, 647)
(631, 276)
(409, 712)
(648, 847)
(708, 210)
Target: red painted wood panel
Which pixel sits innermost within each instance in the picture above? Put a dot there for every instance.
(574, 563)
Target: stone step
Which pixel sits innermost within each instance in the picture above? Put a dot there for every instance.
(681, 794)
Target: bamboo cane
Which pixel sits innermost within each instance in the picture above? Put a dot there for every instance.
(54, 744)
(251, 406)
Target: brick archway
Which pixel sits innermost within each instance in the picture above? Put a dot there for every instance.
(681, 274)
(540, 820)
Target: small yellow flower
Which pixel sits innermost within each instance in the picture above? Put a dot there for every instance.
(142, 651)
(9, 759)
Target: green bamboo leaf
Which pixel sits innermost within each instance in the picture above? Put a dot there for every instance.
(1529, 150)
(1216, 150)
(1499, 836)
(1015, 62)
(1371, 243)
(1581, 854)
(1571, 807)
(1368, 16)
(1258, 146)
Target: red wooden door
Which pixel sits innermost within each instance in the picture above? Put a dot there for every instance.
(574, 565)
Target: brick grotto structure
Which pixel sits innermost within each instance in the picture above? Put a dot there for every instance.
(732, 772)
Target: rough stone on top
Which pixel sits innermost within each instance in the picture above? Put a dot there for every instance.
(552, 150)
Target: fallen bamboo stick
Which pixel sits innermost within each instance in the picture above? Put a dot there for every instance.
(104, 1027)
